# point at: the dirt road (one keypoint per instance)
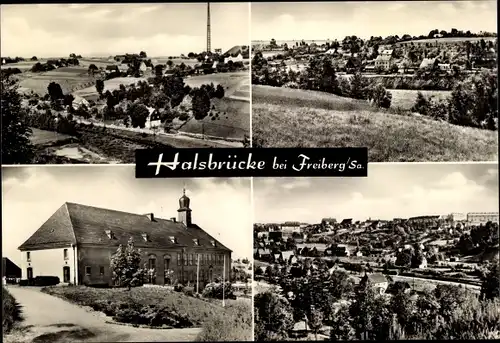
(51, 319)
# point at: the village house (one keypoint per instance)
(289, 228)
(378, 281)
(77, 242)
(10, 271)
(428, 63)
(383, 62)
(346, 223)
(112, 69)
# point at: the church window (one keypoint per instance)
(178, 259)
(65, 253)
(88, 270)
(190, 259)
(28, 256)
(101, 270)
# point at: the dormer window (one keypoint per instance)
(145, 236)
(212, 242)
(109, 233)
(196, 241)
(173, 239)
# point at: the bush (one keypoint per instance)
(11, 311)
(189, 291)
(233, 325)
(46, 280)
(217, 291)
(381, 97)
(178, 287)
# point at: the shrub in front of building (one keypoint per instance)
(11, 311)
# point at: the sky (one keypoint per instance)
(390, 191)
(335, 20)
(49, 30)
(222, 207)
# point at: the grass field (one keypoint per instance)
(233, 121)
(196, 310)
(90, 93)
(296, 118)
(70, 78)
(405, 99)
(45, 138)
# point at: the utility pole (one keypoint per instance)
(223, 280)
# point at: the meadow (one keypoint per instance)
(284, 117)
(90, 93)
(405, 99)
(70, 79)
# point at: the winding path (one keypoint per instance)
(46, 314)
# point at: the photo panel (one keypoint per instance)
(414, 81)
(410, 252)
(117, 258)
(90, 83)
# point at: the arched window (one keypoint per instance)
(168, 273)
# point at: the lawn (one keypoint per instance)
(70, 79)
(90, 93)
(232, 122)
(296, 118)
(405, 99)
(188, 311)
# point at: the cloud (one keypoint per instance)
(396, 6)
(296, 183)
(105, 29)
(406, 192)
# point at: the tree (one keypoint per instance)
(138, 115)
(55, 91)
(381, 97)
(342, 329)
(315, 318)
(126, 266)
(358, 86)
(273, 317)
(16, 145)
(200, 103)
(99, 86)
(159, 70)
(219, 92)
(143, 54)
(491, 283)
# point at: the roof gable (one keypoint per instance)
(75, 223)
(56, 231)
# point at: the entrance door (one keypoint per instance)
(66, 274)
(30, 273)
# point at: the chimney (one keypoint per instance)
(151, 216)
(173, 219)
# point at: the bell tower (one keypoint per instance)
(184, 212)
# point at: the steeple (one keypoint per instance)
(184, 212)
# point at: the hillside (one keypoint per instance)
(237, 49)
(285, 117)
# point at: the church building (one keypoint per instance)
(76, 244)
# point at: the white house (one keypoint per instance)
(60, 262)
(79, 101)
(238, 58)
